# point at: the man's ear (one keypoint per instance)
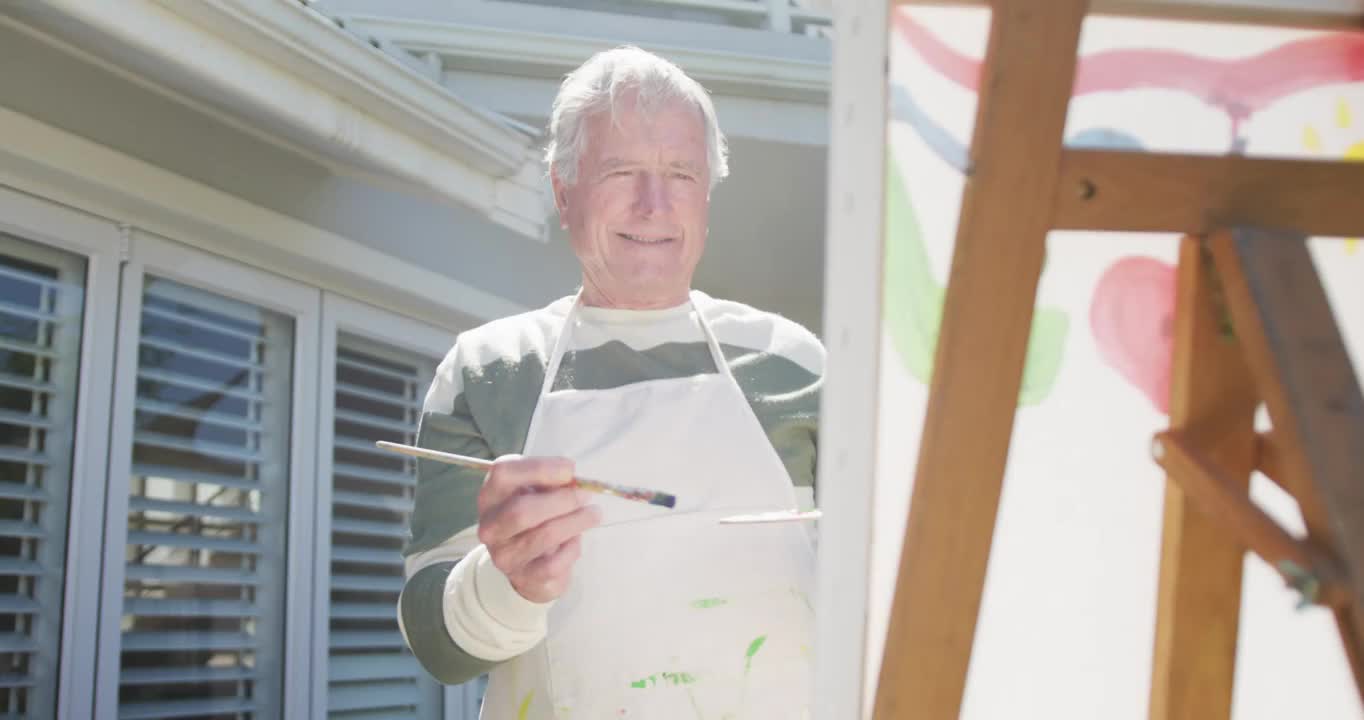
(560, 194)
(560, 190)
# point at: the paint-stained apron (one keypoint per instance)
(669, 614)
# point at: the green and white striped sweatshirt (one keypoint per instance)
(459, 614)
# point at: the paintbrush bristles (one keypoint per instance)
(664, 500)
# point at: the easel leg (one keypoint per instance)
(982, 343)
(1349, 623)
(1213, 402)
(1300, 363)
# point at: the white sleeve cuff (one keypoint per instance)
(485, 615)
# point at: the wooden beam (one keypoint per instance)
(1268, 461)
(1026, 86)
(1223, 499)
(1152, 192)
(1294, 348)
(1317, 14)
(1198, 606)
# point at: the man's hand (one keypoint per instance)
(531, 519)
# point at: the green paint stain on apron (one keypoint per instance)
(707, 603)
(678, 679)
(524, 712)
(753, 649)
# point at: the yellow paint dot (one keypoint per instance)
(1343, 118)
(1310, 139)
(522, 713)
(1355, 153)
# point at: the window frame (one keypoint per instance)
(344, 315)
(97, 241)
(150, 254)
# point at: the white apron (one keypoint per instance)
(669, 614)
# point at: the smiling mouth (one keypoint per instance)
(645, 240)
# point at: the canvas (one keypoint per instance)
(1068, 613)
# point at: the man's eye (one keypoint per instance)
(684, 176)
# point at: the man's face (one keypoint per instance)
(636, 216)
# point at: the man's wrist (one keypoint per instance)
(503, 601)
(485, 615)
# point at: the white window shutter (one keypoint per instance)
(41, 307)
(203, 608)
(371, 674)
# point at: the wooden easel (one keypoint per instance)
(1257, 329)
(1253, 324)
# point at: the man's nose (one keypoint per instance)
(651, 194)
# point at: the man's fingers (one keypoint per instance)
(524, 512)
(513, 475)
(518, 552)
(548, 576)
(557, 562)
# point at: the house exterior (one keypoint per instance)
(236, 236)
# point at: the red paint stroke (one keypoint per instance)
(1241, 87)
(1132, 318)
(955, 66)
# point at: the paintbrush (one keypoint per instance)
(650, 497)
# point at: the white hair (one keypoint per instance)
(598, 84)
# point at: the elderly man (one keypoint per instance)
(593, 606)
